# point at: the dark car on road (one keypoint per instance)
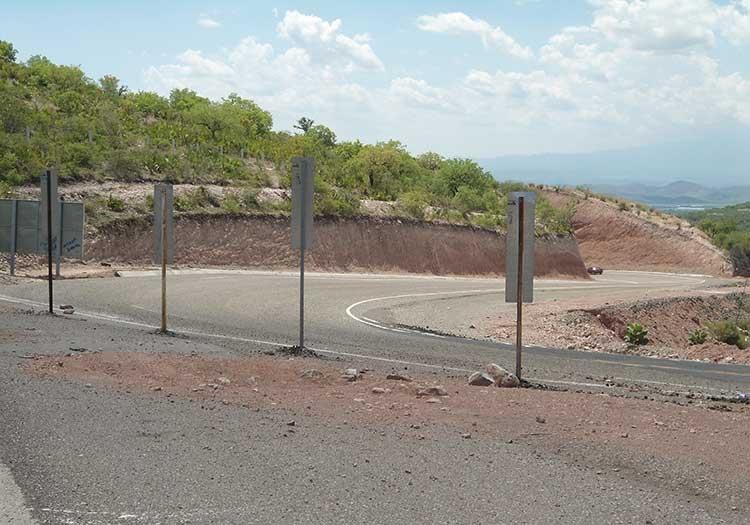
(595, 270)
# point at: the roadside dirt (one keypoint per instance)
(624, 427)
(635, 239)
(669, 318)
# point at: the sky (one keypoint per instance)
(471, 78)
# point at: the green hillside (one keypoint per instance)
(54, 116)
(729, 228)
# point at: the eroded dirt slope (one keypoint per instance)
(634, 239)
(359, 244)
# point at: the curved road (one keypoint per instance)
(352, 316)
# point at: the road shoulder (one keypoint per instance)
(13, 509)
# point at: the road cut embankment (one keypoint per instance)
(634, 239)
(354, 244)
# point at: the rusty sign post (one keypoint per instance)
(163, 240)
(302, 222)
(519, 261)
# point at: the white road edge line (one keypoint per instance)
(121, 320)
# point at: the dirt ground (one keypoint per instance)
(667, 431)
(669, 317)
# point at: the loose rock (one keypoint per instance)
(399, 377)
(432, 391)
(351, 374)
(378, 390)
(311, 373)
(481, 379)
(502, 377)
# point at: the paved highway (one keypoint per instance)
(352, 316)
(91, 455)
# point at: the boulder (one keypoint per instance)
(502, 377)
(481, 379)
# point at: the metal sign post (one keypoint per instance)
(519, 260)
(302, 222)
(163, 261)
(50, 211)
(163, 240)
(13, 236)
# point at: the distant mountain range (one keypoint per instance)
(676, 194)
(713, 169)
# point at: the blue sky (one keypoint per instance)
(467, 78)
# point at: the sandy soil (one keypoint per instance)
(658, 430)
(633, 239)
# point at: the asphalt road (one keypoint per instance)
(352, 315)
(75, 454)
(71, 454)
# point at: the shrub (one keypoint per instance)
(337, 202)
(487, 221)
(412, 204)
(731, 332)
(115, 204)
(196, 199)
(698, 337)
(6, 190)
(249, 198)
(636, 334)
(231, 204)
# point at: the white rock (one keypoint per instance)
(502, 377)
(432, 391)
(481, 379)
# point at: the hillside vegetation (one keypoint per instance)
(728, 227)
(54, 116)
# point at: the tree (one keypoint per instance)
(220, 121)
(111, 86)
(304, 124)
(255, 121)
(430, 160)
(185, 99)
(8, 53)
(456, 173)
(323, 135)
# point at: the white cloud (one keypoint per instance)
(459, 23)
(208, 23)
(671, 26)
(635, 72)
(734, 21)
(324, 38)
(289, 83)
(412, 92)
